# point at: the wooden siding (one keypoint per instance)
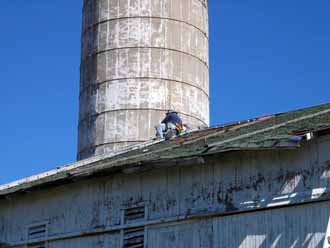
(205, 205)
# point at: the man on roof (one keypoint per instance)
(170, 126)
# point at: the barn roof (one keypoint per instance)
(278, 131)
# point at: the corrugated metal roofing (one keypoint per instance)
(279, 131)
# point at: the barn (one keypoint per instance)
(263, 182)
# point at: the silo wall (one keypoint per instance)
(139, 59)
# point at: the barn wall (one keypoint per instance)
(198, 196)
(103, 240)
(296, 226)
(299, 226)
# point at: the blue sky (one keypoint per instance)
(266, 57)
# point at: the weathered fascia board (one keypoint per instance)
(278, 201)
(64, 172)
(78, 173)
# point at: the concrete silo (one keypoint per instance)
(139, 59)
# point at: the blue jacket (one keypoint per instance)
(173, 118)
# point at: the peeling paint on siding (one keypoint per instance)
(260, 196)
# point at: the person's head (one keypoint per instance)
(171, 112)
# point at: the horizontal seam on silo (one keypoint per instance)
(94, 25)
(140, 78)
(135, 109)
(96, 53)
(110, 143)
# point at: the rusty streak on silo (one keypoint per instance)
(139, 59)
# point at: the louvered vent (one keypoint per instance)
(134, 238)
(134, 214)
(37, 231)
(39, 245)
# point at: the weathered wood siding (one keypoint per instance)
(298, 226)
(230, 201)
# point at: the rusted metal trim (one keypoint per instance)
(135, 109)
(96, 24)
(143, 78)
(181, 219)
(96, 53)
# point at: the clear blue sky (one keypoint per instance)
(266, 57)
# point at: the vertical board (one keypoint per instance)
(299, 226)
(189, 235)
